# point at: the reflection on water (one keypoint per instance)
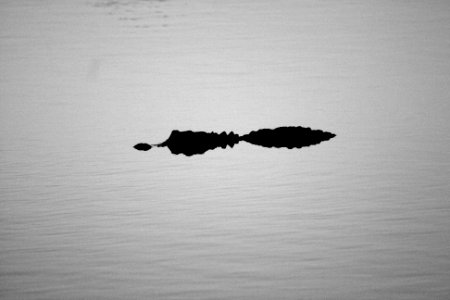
(85, 216)
(138, 13)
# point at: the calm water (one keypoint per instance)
(85, 216)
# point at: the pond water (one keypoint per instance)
(83, 215)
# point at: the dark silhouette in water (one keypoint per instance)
(287, 137)
(142, 147)
(190, 143)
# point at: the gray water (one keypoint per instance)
(363, 216)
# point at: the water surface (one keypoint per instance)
(85, 216)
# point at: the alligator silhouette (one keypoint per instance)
(198, 142)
